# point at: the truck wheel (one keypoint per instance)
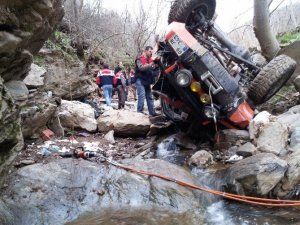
(170, 112)
(271, 78)
(183, 11)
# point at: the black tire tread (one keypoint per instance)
(278, 70)
(180, 9)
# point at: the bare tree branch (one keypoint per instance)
(276, 8)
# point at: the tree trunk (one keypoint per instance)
(262, 29)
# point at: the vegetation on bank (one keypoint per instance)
(289, 37)
(60, 42)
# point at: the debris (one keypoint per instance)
(67, 154)
(234, 158)
(84, 134)
(45, 152)
(47, 134)
(91, 146)
(138, 145)
(73, 140)
(54, 148)
(80, 153)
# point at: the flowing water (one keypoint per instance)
(217, 211)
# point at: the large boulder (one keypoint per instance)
(35, 77)
(273, 138)
(77, 115)
(291, 118)
(256, 175)
(35, 119)
(289, 187)
(124, 123)
(258, 123)
(62, 190)
(68, 81)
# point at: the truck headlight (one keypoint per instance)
(184, 78)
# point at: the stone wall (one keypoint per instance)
(24, 27)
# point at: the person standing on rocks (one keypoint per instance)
(121, 88)
(105, 77)
(119, 67)
(131, 83)
(145, 76)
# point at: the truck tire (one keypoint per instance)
(182, 10)
(169, 112)
(271, 78)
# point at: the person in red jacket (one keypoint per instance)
(145, 75)
(105, 82)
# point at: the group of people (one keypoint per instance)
(138, 80)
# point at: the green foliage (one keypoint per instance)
(62, 42)
(39, 60)
(62, 39)
(289, 37)
(284, 91)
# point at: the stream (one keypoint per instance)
(217, 211)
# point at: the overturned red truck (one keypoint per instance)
(206, 78)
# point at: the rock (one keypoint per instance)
(42, 188)
(110, 137)
(201, 159)
(291, 118)
(24, 31)
(230, 137)
(258, 123)
(294, 110)
(74, 115)
(246, 150)
(256, 175)
(28, 27)
(296, 83)
(18, 90)
(36, 118)
(55, 125)
(27, 162)
(184, 141)
(11, 138)
(273, 138)
(35, 77)
(287, 187)
(124, 123)
(295, 137)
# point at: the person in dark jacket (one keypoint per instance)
(119, 67)
(106, 83)
(121, 88)
(145, 71)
